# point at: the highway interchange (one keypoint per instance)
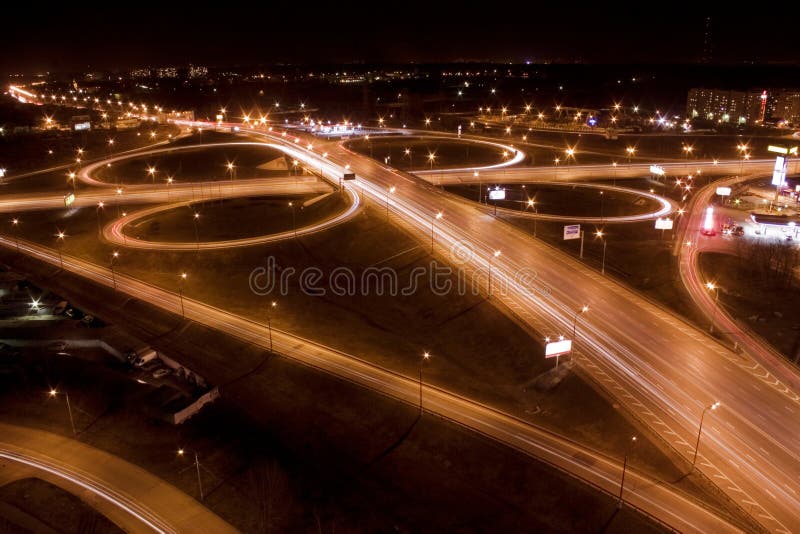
(661, 369)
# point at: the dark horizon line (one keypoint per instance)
(427, 63)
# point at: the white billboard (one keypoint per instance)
(724, 191)
(558, 348)
(663, 224)
(497, 194)
(657, 170)
(779, 171)
(572, 231)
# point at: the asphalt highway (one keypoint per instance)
(661, 369)
(573, 173)
(652, 496)
(134, 499)
(690, 243)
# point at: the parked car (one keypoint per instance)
(708, 232)
(144, 355)
(161, 373)
(739, 230)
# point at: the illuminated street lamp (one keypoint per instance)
(408, 153)
(294, 220)
(495, 254)
(624, 468)
(711, 407)
(389, 191)
(114, 256)
(570, 152)
(532, 204)
(600, 234)
(59, 244)
(584, 309)
(435, 218)
(53, 392)
(15, 227)
(630, 152)
(231, 169)
(711, 286)
(152, 172)
(271, 307)
(431, 158)
(181, 280)
(425, 357)
(181, 452)
(742, 148)
(100, 206)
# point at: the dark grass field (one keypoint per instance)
(447, 152)
(564, 200)
(235, 218)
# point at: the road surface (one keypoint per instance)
(133, 498)
(662, 369)
(651, 496)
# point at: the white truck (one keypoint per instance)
(142, 356)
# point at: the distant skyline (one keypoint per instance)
(118, 36)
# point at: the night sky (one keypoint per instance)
(123, 35)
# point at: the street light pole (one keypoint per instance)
(624, 469)
(715, 288)
(425, 357)
(433, 224)
(69, 410)
(532, 204)
(599, 234)
(269, 323)
(603, 265)
(100, 205)
(53, 393)
(294, 221)
(196, 234)
(583, 309)
(60, 243)
(181, 452)
(700, 429)
(15, 226)
(388, 191)
(199, 480)
(114, 255)
(180, 293)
